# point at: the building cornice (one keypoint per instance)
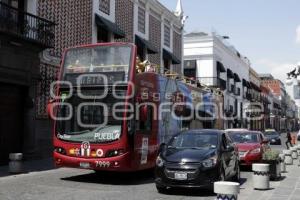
(217, 43)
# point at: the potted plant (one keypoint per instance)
(272, 158)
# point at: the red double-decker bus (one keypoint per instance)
(108, 116)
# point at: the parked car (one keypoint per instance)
(251, 145)
(196, 158)
(273, 136)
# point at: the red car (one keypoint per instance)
(251, 145)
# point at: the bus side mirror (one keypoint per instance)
(49, 108)
(143, 113)
(131, 127)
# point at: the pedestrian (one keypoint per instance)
(298, 136)
(288, 140)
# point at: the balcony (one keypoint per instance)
(15, 22)
(248, 96)
(212, 82)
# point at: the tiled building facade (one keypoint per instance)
(73, 22)
(155, 37)
(124, 18)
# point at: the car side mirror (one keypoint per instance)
(265, 141)
(162, 147)
(50, 106)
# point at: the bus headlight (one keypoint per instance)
(115, 152)
(159, 161)
(60, 150)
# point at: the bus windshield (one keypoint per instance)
(98, 59)
(89, 120)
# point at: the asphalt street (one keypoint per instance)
(73, 184)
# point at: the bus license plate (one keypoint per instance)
(84, 165)
(180, 176)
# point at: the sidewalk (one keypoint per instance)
(286, 189)
(30, 166)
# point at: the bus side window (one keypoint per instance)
(146, 125)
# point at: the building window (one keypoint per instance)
(167, 65)
(190, 68)
(167, 36)
(141, 20)
(19, 4)
(102, 35)
(104, 6)
(141, 53)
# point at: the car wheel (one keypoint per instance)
(161, 189)
(237, 176)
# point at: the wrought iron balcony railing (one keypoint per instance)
(26, 26)
(213, 82)
(248, 96)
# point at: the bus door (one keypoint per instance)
(145, 139)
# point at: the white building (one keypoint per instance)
(211, 61)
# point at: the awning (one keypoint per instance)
(229, 73)
(220, 67)
(248, 84)
(171, 56)
(236, 78)
(145, 43)
(110, 26)
(244, 83)
(254, 86)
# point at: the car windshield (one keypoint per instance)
(194, 140)
(271, 134)
(244, 137)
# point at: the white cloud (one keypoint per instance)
(298, 34)
(278, 70)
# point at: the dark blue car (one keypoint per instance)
(196, 158)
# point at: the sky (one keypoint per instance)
(265, 31)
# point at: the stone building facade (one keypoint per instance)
(23, 35)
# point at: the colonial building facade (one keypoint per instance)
(23, 35)
(212, 62)
(284, 112)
